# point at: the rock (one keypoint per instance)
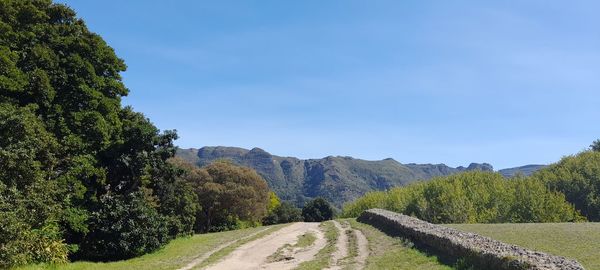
(483, 252)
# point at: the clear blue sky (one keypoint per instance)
(504, 82)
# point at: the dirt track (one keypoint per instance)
(255, 254)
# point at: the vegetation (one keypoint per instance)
(304, 240)
(578, 177)
(472, 197)
(595, 146)
(580, 241)
(285, 212)
(229, 196)
(178, 253)
(81, 176)
(336, 179)
(323, 258)
(317, 210)
(388, 252)
(74, 163)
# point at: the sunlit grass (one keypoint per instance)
(580, 241)
(388, 252)
(176, 254)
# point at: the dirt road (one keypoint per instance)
(281, 249)
(253, 255)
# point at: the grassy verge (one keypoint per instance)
(176, 254)
(323, 257)
(394, 253)
(580, 241)
(215, 257)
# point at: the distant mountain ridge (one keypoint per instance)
(338, 179)
(524, 170)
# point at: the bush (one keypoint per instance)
(578, 178)
(283, 213)
(125, 227)
(471, 197)
(317, 210)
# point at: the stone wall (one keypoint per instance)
(482, 252)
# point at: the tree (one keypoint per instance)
(227, 194)
(595, 146)
(285, 212)
(76, 144)
(317, 210)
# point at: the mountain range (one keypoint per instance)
(339, 179)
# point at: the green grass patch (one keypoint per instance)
(323, 257)
(388, 252)
(348, 261)
(304, 240)
(580, 241)
(176, 254)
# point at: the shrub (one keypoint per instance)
(578, 178)
(285, 212)
(317, 210)
(472, 197)
(124, 227)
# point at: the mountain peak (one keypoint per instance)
(337, 178)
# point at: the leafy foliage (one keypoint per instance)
(70, 154)
(578, 177)
(29, 203)
(126, 226)
(472, 197)
(229, 196)
(284, 213)
(317, 210)
(595, 146)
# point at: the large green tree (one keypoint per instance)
(227, 194)
(69, 149)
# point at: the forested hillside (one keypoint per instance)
(338, 179)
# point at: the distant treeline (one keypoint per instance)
(567, 191)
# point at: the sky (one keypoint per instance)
(504, 82)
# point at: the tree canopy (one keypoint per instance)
(317, 210)
(72, 158)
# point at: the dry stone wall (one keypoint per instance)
(482, 252)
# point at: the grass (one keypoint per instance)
(323, 257)
(304, 240)
(352, 246)
(349, 261)
(176, 254)
(388, 252)
(580, 241)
